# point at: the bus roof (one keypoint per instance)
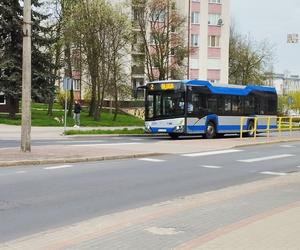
(225, 89)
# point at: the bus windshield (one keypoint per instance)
(164, 105)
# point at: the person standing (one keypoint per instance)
(76, 117)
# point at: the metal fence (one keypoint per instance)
(283, 123)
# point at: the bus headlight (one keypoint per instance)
(179, 129)
(147, 128)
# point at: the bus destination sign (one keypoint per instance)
(163, 86)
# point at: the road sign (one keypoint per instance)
(67, 83)
(292, 38)
(290, 100)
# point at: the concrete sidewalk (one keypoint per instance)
(259, 215)
(9, 132)
(97, 152)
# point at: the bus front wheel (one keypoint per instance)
(174, 136)
(210, 132)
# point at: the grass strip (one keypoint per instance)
(125, 131)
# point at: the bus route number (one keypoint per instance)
(167, 86)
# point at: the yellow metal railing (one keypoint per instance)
(284, 123)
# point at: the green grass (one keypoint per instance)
(40, 118)
(101, 132)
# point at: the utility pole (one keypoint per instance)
(26, 79)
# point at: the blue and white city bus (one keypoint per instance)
(198, 107)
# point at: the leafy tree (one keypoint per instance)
(11, 53)
(248, 59)
(161, 24)
(103, 33)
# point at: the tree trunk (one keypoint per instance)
(13, 107)
(116, 103)
(50, 105)
(68, 73)
(93, 105)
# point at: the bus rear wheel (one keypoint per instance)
(210, 132)
(250, 128)
(174, 136)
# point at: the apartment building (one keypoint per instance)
(209, 30)
(283, 83)
(207, 36)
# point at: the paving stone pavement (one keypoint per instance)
(259, 215)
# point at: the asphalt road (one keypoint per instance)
(33, 199)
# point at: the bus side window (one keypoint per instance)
(249, 105)
(227, 104)
(220, 104)
(212, 103)
(237, 104)
(272, 105)
(234, 104)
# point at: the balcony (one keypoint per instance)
(137, 70)
(138, 49)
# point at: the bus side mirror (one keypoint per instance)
(139, 93)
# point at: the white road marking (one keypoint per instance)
(69, 141)
(213, 167)
(272, 157)
(163, 231)
(7, 148)
(136, 139)
(21, 172)
(273, 173)
(58, 167)
(287, 146)
(151, 160)
(106, 144)
(298, 167)
(213, 153)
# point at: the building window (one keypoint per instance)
(214, 1)
(158, 16)
(195, 40)
(214, 41)
(76, 85)
(214, 19)
(151, 39)
(195, 17)
(2, 99)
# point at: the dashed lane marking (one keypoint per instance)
(287, 146)
(212, 167)
(151, 160)
(272, 157)
(58, 167)
(21, 172)
(213, 153)
(273, 173)
(106, 144)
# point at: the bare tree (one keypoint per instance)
(161, 28)
(248, 60)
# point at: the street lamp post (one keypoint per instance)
(26, 79)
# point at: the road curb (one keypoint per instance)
(119, 157)
(267, 142)
(75, 160)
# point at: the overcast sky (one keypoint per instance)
(271, 20)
